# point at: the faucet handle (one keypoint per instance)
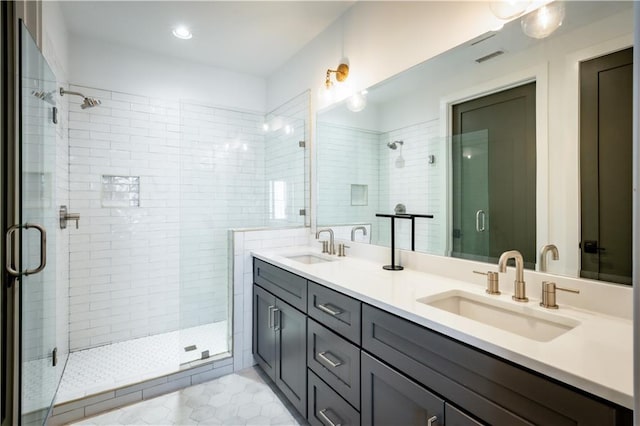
(341, 250)
(549, 294)
(493, 283)
(325, 246)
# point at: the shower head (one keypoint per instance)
(394, 145)
(87, 102)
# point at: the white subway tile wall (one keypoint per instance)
(419, 185)
(355, 159)
(286, 161)
(222, 169)
(138, 271)
(244, 242)
(361, 157)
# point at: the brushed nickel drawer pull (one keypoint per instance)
(326, 359)
(327, 420)
(327, 309)
(270, 308)
(432, 420)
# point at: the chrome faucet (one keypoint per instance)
(357, 228)
(519, 290)
(332, 247)
(543, 255)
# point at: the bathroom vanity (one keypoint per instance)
(349, 343)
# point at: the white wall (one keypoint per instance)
(96, 63)
(380, 39)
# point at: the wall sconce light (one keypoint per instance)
(341, 75)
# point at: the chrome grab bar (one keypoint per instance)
(10, 254)
(480, 213)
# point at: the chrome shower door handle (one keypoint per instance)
(43, 248)
(480, 214)
(9, 253)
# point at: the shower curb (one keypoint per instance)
(92, 405)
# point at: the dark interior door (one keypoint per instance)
(606, 123)
(508, 119)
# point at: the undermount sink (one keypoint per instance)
(521, 320)
(309, 259)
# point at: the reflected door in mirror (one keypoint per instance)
(606, 119)
(494, 182)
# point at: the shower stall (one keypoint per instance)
(137, 196)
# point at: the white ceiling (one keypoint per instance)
(254, 37)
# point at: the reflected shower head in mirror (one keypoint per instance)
(394, 145)
(87, 102)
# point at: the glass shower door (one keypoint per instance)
(471, 225)
(37, 278)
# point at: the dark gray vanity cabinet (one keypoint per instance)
(389, 398)
(326, 406)
(350, 363)
(280, 332)
(493, 390)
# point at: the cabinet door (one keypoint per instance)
(264, 336)
(389, 398)
(291, 354)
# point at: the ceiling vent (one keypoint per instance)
(489, 56)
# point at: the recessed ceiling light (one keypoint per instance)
(182, 33)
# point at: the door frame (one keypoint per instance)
(592, 52)
(10, 214)
(539, 75)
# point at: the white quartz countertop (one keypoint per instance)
(595, 356)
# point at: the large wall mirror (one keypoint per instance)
(510, 142)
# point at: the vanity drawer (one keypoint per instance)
(287, 286)
(326, 406)
(455, 417)
(335, 360)
(335, 310)
(494, 390)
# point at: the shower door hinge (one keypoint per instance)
(54, 357)
(303, 212)
(301, 144)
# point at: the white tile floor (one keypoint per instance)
(242, 398)
(111, 366)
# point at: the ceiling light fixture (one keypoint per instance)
(543, 22)
(182, 32)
